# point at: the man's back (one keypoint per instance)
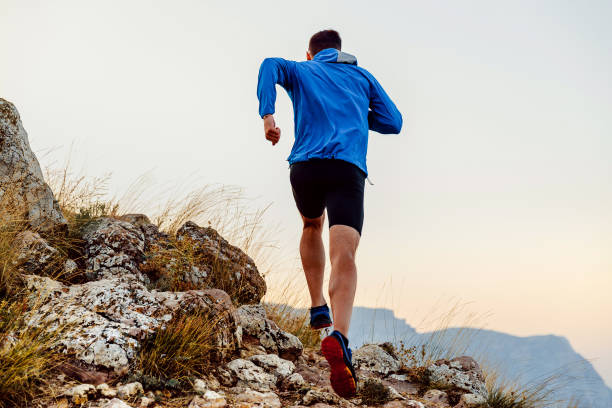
(335, 103)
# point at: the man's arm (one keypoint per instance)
(383, 117)
(271, 72)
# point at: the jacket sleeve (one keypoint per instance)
(271, 72)
(383, 117)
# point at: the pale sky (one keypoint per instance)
(498, 191)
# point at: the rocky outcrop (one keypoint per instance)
(22, 186)
(103, 316)
(105, 320)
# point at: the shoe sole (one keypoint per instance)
(323, 326)
(341, 379)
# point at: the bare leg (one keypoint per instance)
(312, 253)
(343, 242)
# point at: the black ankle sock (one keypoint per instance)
(318, 308)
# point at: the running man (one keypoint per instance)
(335, 103)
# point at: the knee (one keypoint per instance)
(313, 225)
(342, 258)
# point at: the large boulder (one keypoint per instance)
(113, 248)
(21, 180)
(104, 321)
(221, 264)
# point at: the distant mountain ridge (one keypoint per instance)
(524, 360)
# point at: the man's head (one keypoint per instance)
(322, 40)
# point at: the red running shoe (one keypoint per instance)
(343, 378)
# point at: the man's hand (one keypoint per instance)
(270, 129)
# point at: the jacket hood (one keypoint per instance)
(333, 55)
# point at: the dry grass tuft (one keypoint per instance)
(185, 347)
(505, 393)
(26, 355)
(374, 392)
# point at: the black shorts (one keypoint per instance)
(329, 183)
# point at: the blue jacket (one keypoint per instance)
(335, 102)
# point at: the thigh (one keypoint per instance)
(307, 188)
(344, 200)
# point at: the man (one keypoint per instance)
(335, 103)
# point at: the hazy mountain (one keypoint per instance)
(523, 360)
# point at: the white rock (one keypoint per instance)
(129, 390)
(250, 375)
(314, 396)
(414, 404)
(106, 391)
(253, 322)
(200, 386)
(251, 398)
(108, 318)
(294, 382)
(116, 403)
(471, 401)
(460, 372)
(437, 396)
(80, 392)
(394, 394)
(273, 364)
(372, 357)
(399, 377)
(209, 399)
(81, 389)
(146, 401)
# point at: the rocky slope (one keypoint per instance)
(131, 281)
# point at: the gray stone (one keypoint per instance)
(460, 372)
(113, 249)
(200, 386)
(294, 382)
(236, 269)
(210, 399)
(372, 357)
(437, 396)
(471, 401)
(106, 391)
(22, 184)
(274, 365)
(33, 254)
(79, 393)
(251, 398)
(249, 375)
(314, 396)
(115, 403)
(254, 323)
(130, 390)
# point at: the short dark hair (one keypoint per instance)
(324, 39)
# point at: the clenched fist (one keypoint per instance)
(272, 132)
